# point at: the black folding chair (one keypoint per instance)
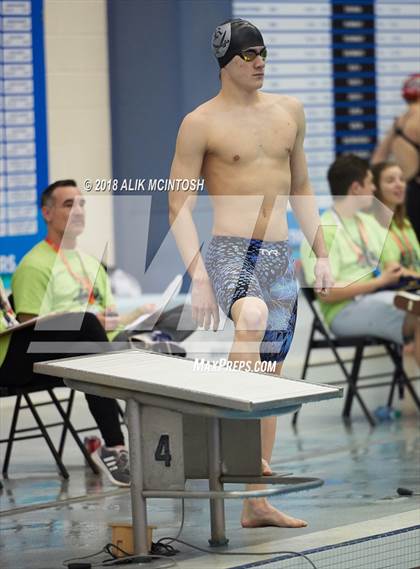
(321, 338)
(23, 394)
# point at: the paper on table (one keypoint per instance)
(147, 321)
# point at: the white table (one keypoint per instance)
(184, 423)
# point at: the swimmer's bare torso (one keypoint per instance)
(246, 165)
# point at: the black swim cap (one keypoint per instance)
(232, 37)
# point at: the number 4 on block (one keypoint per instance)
(162, 452)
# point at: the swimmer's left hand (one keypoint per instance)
(324, 280)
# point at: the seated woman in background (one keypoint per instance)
(391, 191)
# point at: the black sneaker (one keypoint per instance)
(114, 463)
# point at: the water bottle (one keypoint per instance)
(386, 413)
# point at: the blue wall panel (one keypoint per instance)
(161, 67)
(23, 141)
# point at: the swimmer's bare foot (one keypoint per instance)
(259, 513)
(266, 470)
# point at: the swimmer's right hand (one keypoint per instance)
(203, 303)
(324, 280)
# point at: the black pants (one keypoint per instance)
(17, 368)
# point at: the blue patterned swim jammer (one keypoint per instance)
(240, 267)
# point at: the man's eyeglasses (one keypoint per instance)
(251, 54)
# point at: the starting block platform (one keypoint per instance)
(184, 424)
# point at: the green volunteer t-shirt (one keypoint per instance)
(7, 318)
(46, 281)
(4, 345)
(343, 258)
(404, 246)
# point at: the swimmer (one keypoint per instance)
(248, 146)
(402, 141)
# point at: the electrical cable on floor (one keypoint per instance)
(165, 550)
(114, 561)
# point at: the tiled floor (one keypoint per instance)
(45, 520)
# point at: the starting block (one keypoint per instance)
(185, 424)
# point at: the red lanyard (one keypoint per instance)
(408, 249)
(84, 281)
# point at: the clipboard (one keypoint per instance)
(28, 323)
